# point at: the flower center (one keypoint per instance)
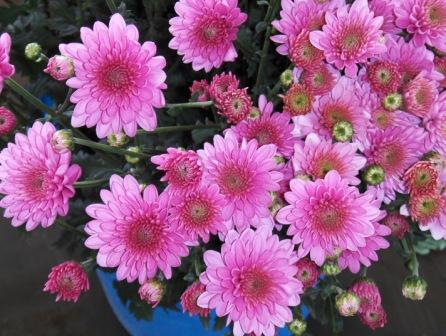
(197, 211)
(324, 164)
(264, 134)
(425, 207)
(390, 157)
(36, 184)
(333, 113)
(255, 284)
(382, 118)
(350, 41)
(66, 282)
(212, 30)
(234, 180)
(298, 100)
(436, 14)
(116, 77)
(328, 217)
(145, 233)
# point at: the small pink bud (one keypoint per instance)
(152, 292)
(60, 67)
(7, 121)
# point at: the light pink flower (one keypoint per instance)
(316, 157)
(118, 81)
(327, 215)
(245, 175)
(440, 66)
(68, 280)
(307, 273)
(320, 78)
(235, 105)
(425, 20)
(398, 224)
(435, 125)
(385, 8)
(151, 292)
(132, 232)
(383, 119)
(8, 121)
(36, 179)
(222, 83)
(270, 128)
(252, 281)
(420, 95)
(394, 149)
(201, 89)
(6, 69)
(367, 291)
(205, 30)
(60, 67)
(351, 36)
(189, 300)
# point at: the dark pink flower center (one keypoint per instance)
(325, 163)
(197, 211)
(212, 30)
(335, 112)
(436, 14)
(350, 41)
(235, 180)
(183, 171)
(145, 234)
(254, 283)
(36, 183)
(382, 118)
(328, 216)
(116, 77)
(390, 156)
(265, 133)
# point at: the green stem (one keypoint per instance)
(108, 149)
(86, 263)
(182, 128)
(364, 271)
(191, 104)
(66, 102)
(413, 256)
(90, 183)
(112, 6)
(70, 228)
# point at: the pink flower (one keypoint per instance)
(197, 214)
(384, 77)
(367, 291)
(151, 292)
(36, 179)
(298, 100)
(394, 149)
(320, 79)
(385, 8)
(8, 121)
(373, 316)
(425, 20)
(383, 119)
(316, 157)
(351, 36)
(440, 66)
(118, 81)
(60, 67)
(189, 300)
(270, 128)
(68, 280)
(183, 169)
(420, 95)
(6, 69)
(252, 280)
(235, 105)
(205, 30)
(422, 178)
(398, 224)
(222, 83)
(307, 273)
(302, 53)
(245, 174)
(327, 215)
(435, 125)
(201, 89)
(132, 232)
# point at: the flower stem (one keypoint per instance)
(70, 228)
(413, 256)
(90, 183)
(191, 104)
(66, 102)
(108, 149)
(182, 128)
(112, 6)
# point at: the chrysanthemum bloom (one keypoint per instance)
(316, 157)
(132, 232)
(152, 292)
(422, 178)
(367, 291)
(327, 215)
(36, 179)
(68, 280)
(245, 174)
(60, 67)
(385, 8)
(6, 69)
(201, 90)
(307, 272)
(397, 223)
(205, 30)
(302, 53)
(435, 125)
(383, 119)
(288, 173)
(197, 213)
(425, 19)
(298, 100)
(118, 81)
(320, 79)
(8, 121)
(440, 66)
(235, 105)
(269, 128)
(373, 316)
(351, 36)
(189, 300)
(183, 169)
(252, 281)
(384, 76)
(224, 82)
(420, 95)
(394, 150)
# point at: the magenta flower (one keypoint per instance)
(132, 232)
(68, 280)
(398, 224)
(440, 66)
(118, 81)
(6, 69)
(245, 175)
(316, 157)
(373, 316)
(367, 291)
(36, 179)
(270, 128)
(435, 125)
(235, 105)
(383, 119)
(60, 67)
(205, 30)
(351, 36)
(252, 280)
(222, 83)
(201, 89)
(420, 95)
(385, 8)
(189, 300)
(327, 215)
(425, 19)
(151, 292)
(8, 121)
(307, 273)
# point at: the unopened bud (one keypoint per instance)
(414, 288)
(63, 140)
(33, 51)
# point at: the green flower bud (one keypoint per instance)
(132, 159)
(33, 51)
(117, 140)
(343, 131)
(347, 303)
(374, 175)
(298, 326)
(276, 204)
(279, 159)
(392, 101)
(254, 113)
(414, 288)
(330, 268)
(286, 78)
(63, 140)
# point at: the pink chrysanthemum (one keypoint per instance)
(60, 67)
(397, 223)
(373, 316)
(8, 121)
(425, 19)
(252, 281)
(151, 292)
(394, 149)
(235, 105)
(132, 232)
(205, 30)
(383, 119)
(440, 66)
(350, 37)
(435, 125)
(36, 179)
(327, 215)
(422, 178)
(189, 300)
(420, 95)
(367, 291)
(201, 90)
(298, 100)
(222, 83)
(6, 69)
(316, 157)
(384, 76)
(307, 273)
(270, 128)
(183, 169)
(197, 214)
(245, 175)
(385, 8)
(68, 280)
(118, 81)
(320, 79)
(288, 173)
(302, 53)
